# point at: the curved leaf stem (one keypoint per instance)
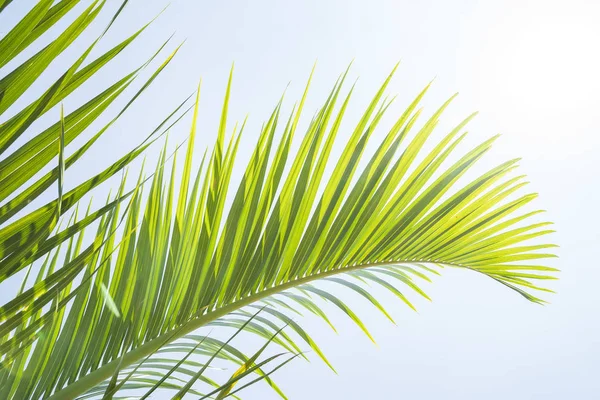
(105, 372)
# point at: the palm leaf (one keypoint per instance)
(27, 238)
(184, 262)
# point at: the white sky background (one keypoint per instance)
(531, 69)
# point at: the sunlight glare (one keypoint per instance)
(539, 70)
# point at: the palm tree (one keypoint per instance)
(124, 313)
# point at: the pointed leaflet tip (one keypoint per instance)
(178, 47)
(198, 94)
(223, 122)
(393, 70)
(162, 11)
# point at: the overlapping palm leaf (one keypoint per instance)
(27, 238)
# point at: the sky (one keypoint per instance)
(530, 67)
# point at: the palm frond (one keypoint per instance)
(186, 261)
(27, 238)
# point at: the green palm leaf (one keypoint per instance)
(26, 239)
(172, 264)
